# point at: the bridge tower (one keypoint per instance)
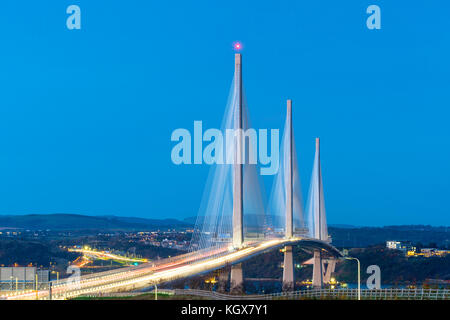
(238, 232)
(236, 276)
(288, 266)
(323, 267)
(317, 184)
(289, 174)
(318, 196)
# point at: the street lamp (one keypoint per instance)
(36, 281)
(359, 275)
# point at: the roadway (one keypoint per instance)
(148, 274)
(105, 255)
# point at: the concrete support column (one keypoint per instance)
(317, 280)
(238, 233)
(236, 279)
(331, 265)
(288, 270)
(223, 279)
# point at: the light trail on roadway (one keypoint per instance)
(147, 274)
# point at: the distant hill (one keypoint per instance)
(342, 226)
(360, 237)
(191, 220)
(81, 222)
(342, 235)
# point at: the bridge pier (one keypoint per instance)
(223, 280)
(331, 265)
(317, 280)
(288, 270)
(236, 279)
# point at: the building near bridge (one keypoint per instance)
(404, 246)
(433, 252)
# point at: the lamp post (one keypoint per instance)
(36, 281)
(359, 275)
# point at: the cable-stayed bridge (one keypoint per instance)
(232, 224)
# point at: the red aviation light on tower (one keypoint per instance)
(237, 46)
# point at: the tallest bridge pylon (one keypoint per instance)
(238, 208)
(232, 207)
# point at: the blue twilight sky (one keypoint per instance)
(86, 115)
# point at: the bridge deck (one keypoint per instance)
(133, 278)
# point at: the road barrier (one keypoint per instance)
(324, 294)
(331, 294)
